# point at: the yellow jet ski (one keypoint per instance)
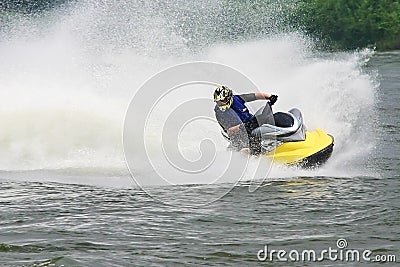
(283, 138)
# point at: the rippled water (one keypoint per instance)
(87, 226)
(57, 224)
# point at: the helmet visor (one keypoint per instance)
(224, 104)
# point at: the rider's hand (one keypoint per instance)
(272, 99)
(233, 129)
(245, 151)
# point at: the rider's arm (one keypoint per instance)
(262, 96)
(254, 96)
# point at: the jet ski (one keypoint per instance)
(283, 138)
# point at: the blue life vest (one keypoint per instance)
(238, 113)
(240, 109)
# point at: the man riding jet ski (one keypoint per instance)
(281, 136)
(235, 118)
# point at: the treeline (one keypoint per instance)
(349, 24)
(338, 24)
(28, 6)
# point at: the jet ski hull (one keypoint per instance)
(314, 151)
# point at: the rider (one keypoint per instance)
(235, 118)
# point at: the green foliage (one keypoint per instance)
(352, 23)
(342, 24)
(28, 6)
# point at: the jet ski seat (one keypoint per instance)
(284, 126)
(283, 120)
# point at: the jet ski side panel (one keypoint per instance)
(314, 150)
(318, 158)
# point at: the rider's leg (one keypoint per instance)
(264, 115)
